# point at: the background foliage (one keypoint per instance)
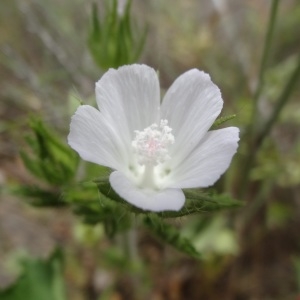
(237, 240)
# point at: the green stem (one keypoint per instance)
(128, 242)
(257, 203)
(264, 59)
(281, 102)
(255, 118)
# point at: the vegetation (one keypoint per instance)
(65, 234)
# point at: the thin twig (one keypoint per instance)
(251, 132)
(266, 129)
(264, 59)
(281, 102)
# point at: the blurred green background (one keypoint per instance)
(47, 68)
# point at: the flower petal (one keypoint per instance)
(93, 140)
(191, 105)
(208, 161)
(168, 199)
(129, 98)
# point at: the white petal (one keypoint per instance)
(168, 199)
(191, 105)
(129, 98)
(208, 161)
(93, 140)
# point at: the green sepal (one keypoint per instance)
(107, 191)
(170, 234)
(221, 120)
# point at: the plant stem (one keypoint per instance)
(257, 203)
(129, 244)
(281, 102)
(264, 59)
(251, 132)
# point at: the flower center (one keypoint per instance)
(152, 144)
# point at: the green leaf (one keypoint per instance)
(107, 191)
(140, 44)
(171, 235)
(200, 202)
(197, 201)
(40, 280)
(40, 197)
(96, 26)
(95, 208)
(31, 164)
(114, 42)
(222, 120)
(50, 159)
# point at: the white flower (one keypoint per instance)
(156, 149)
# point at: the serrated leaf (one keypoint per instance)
(41, 280)
(51, 146)
(171, 235)
(50, 159)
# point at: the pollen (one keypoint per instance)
(152, 144)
